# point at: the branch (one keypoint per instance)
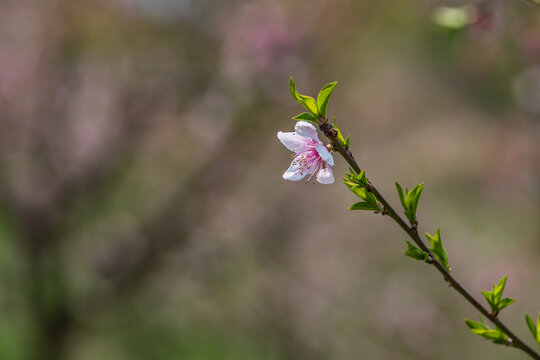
(331, 133)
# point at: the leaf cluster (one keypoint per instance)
(437, 249)
(496, 335)
(535, 330)
(317, 108)
(358, 185)
(409, 200)
(494, 297)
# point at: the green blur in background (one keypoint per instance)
(142, 210)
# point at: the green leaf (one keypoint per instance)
(360, 191)
(401, 196)
(415, 198)
(294, 93)
(414, 252)
(499, 288)
(323, 97)
(410, 215)
(437, 248)
(310, 104)
(535, 330)
(306, 101)
(496, 335)
(474, 325)
(339, 135)
(363, 194)
(347, 141)
(538, 330)
(306, 117)
(359, 179)
(489, 297)
(357, 184)
(409, 200)
(364, 206)
(530, 324)
(505, 302)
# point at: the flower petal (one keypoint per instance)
(325, 175)
(324, 154)
(291, 140)
(303, 128)
(294, 172)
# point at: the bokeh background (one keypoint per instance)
(142, 210)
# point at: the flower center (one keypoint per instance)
(308, 160)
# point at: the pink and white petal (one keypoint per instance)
(303, 128)
(325, 154)
(291, 140)
(294, 172)
(325, 175)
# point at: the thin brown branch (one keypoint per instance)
(516, 342)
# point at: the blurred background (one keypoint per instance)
(142, 210)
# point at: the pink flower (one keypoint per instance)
(310, 155)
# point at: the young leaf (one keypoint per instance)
(414, 198)
(437, 248)
(409, 200)
(292, 87)
(361, 178)
(339, 135)
(401, 195)
(474, 324)
(530, 324)
(489, 297)
(499, 288)
(480, 328)
(360, 191)
(364, 206)
(535, 330)
(355, 179)
(306, 117)
(323, 97)
(493, 297)
(505, 302)
(306, 101)
(357, 184)
(538, 330)
(414, 252)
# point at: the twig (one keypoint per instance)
(515, 341)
